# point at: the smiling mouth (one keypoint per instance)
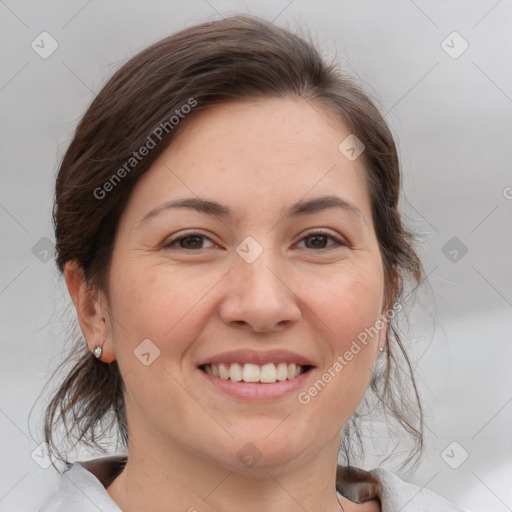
(255, 374)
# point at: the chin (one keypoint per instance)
(261, 450)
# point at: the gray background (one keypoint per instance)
(452, 118)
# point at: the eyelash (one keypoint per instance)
(172, 242)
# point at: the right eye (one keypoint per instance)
(192, 240)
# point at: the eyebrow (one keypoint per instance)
(220, 211)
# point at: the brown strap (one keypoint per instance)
(357, 485)
(106, 469)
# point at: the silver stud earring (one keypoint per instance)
(97, 352)
(381, 349)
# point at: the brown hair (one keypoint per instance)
(236, 58)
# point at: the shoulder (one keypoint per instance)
(393, 493)
(81, 490)
(398, 494)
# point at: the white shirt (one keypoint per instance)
(82, 490)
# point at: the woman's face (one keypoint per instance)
(251, 289)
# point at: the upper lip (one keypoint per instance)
(257, 357)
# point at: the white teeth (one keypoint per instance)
(282, 371)
(249, 372)
(224, 371)
(235, 373)
(268, 373)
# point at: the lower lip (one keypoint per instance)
(257, 392)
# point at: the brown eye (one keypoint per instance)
(319, 240)
(193, 241)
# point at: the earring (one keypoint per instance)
(381, 349)
(98, 351)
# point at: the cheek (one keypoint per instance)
(160, 302)
(350, 303)
(347, 311)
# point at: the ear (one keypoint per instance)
(92, 311)
(383, 333)
(387, 309)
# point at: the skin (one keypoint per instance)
(258, 158)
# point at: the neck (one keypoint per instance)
(155, 480)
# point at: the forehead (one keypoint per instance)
(255, 155)
(283, 130)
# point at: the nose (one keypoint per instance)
(258, 295)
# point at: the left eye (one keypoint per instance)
(319, 238)
(193, 241)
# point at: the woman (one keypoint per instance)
(227, 226)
